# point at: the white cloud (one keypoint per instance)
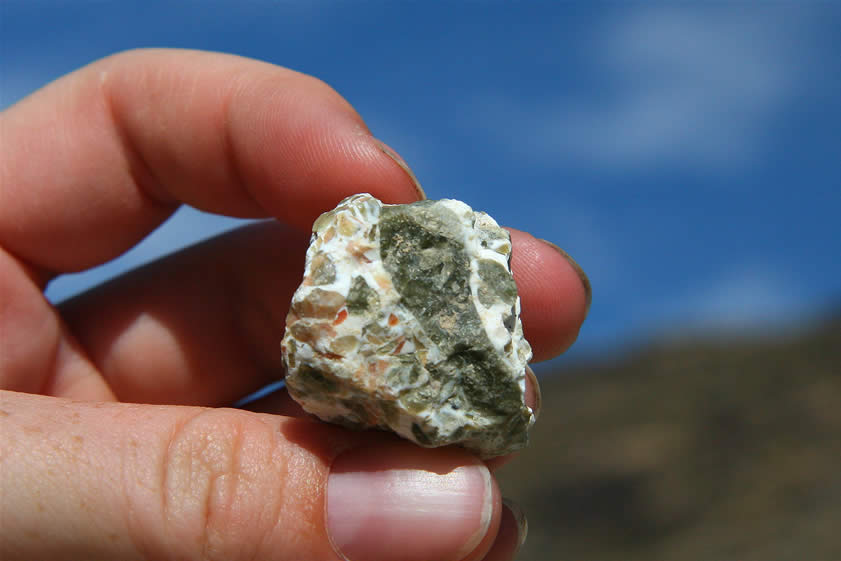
(751, 297)
(672, 86)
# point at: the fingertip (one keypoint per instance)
(332, 159)
(401, 163)
(585, 280)
(302, 148)
(431, 505)
(553, 295)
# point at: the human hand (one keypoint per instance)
(114, 442)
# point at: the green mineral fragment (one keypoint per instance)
(408, 320)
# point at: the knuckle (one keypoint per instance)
(220, 488)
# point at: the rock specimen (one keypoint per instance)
(408, 320)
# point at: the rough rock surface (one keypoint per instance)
(408, 320)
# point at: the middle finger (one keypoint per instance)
(203, 326)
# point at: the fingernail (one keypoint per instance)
(588, 289)
(437, 513)
(388, 151)
(535, 399)
(520, 519)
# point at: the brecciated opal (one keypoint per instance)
(408, 320)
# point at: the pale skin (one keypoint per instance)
(115, 442)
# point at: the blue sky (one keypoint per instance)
(687, 155)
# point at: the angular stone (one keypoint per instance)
(408, 320)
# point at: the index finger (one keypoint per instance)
(94, 161)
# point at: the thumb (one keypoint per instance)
(122, 481)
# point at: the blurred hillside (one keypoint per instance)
(689, 451)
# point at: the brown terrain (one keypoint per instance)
(696, 450)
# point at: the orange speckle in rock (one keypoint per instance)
(392, 320)
(358, 250)
(399, 347)
(340, 317)
(382, 281)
